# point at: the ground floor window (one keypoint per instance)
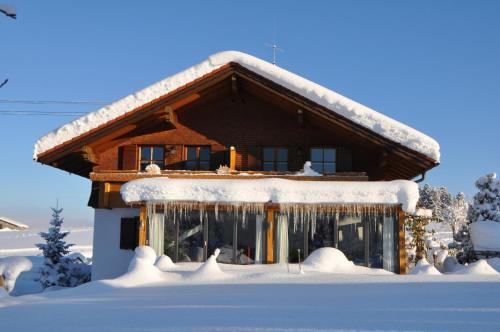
(365, 239)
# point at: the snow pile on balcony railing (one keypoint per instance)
(356, 112)
(280, 191)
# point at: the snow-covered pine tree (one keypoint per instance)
(55, 270)
(486, 204)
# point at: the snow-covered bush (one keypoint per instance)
(11, 268)
(417, 237)
(223, 170)
(58, 269)
(328, 260)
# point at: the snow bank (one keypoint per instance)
(11, 268)
(141, 270)
(494, 263)
(423, 267)
(165, 263)
(485, 235)
(357, 113)
(328, 260)
(479, 267)
(273, 190)
(209, 270)
(450, 264)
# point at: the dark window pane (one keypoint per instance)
(144, 164)
(158, 153)
(268, 167)
(204, 153)
(329, 155)
(204, 165)
(282, 155)
(329, 168)
(160, 164)
(282, 166)
(318, 167)
(268, 154)
(190, 164)
(351, 238)
(145, 153)
(316, 155)
(191, 153)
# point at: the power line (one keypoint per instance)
(51, 102)
(42, 113)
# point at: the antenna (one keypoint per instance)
(274, 45)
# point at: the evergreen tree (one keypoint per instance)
(487, 201)
(55, 269)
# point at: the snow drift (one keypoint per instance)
(479, 267)
(141, 270)
(165, 263)
(328, 260)
(273, 190)
(209, 270)
(355, 112)
(424, 267)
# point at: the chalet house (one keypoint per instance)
(7, 223)
(238, 154)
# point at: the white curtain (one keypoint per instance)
(388, 243)
(282, 239)
(156, 233)
(258, 238)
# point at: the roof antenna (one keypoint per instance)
(274, 45)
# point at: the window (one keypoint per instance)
(275, 159)
(152, 155)
(324, 160)
(197, 158)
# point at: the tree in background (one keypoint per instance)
(58, 269)
(486, 204)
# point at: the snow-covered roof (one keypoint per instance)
(359, 114)
(280, 191)
(13, 222)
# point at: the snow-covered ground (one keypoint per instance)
(266, 298)
(219, 297)
(22, 243)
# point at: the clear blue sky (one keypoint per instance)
(434, 65)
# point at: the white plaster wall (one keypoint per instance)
(109, 261)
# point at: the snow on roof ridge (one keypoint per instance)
(354, 111)
(275, 190)
(13, 222)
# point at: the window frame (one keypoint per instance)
(151, 159)
(323, 162)
(198, 162)
(275, 161)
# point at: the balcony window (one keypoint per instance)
(324, 160)
(197, 158)
(275, 159)
(152, 155)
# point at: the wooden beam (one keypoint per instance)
(104, 190)
(89, 155)
(402, 242)
(270, 236)
(143, 221)
(232, 158)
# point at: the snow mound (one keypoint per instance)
(308, 171)
(450, 264)
(423, 267)
(165, 263)
(479, 267)
(141, 270)
(485, 235)
(153, 169)
(336, 103)
(494, 263)
(279, 191)
(328, 260)
(11, 268)
(210, 270)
